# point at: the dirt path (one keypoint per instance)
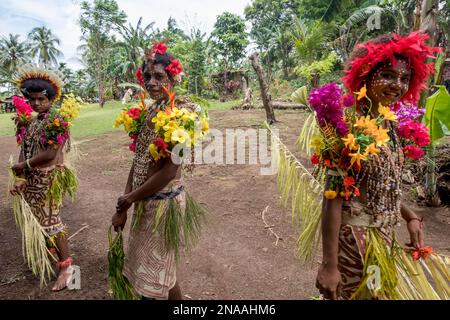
(236, 257)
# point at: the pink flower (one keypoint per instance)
(348, 100)
(415, 131)
(60, 139)
(326, 102)
(413, 152)
(21, 106)
(132, 146)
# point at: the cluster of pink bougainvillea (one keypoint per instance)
(326, 102)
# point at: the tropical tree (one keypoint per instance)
(271, 21)
(97, 20)
(314, 55)
(196, 62)
(43, 46)
(229, 40)
(13, 53)
(135, 41)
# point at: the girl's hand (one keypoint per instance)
(329, 282)
(124, 203)
(119, 220)
(19, 187)
(416, 234)
(18, 168)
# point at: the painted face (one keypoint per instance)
(39, 102)
(389, 83)
(155, 78)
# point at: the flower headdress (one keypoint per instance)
(174, 68)
(28, 72)
(368, 55)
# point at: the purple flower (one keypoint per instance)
(326, 103)
(406, 112)
(60, 139)
(348, 100)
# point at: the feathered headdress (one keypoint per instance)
(370, 54)
(28, 72)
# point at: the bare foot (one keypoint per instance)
(64, 278)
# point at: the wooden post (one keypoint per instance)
(267, 102)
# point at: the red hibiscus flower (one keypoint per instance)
(315, 159)
(160, 48)
(174, 67)
(140, 77)
(134, 113)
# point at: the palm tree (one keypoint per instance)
(13, 52)
(43, 46)
(135, 41)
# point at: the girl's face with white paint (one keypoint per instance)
(389, 83)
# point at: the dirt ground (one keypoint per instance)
(236, 258)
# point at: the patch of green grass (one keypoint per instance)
(92, 120)
(217, 105)
(7, 127)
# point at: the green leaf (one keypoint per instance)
(300, 95)
(437, 113)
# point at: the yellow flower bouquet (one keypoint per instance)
(175, 126)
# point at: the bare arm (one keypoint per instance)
(331, 224)
(129, 185)
(414, 226)
(328, 276)
(42, 158)
(155, 183)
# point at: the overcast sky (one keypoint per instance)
(19, 17)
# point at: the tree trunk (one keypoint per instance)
(270, 115)
(417, 15)
(101, 94)
(315, 80)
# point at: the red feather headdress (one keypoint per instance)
(370, 54)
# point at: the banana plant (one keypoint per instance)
(437, 118)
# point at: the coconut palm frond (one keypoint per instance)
(297, 184)
(414, 282)
(308, 130)
(378, 254)
(401, 277)
(34, 244)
